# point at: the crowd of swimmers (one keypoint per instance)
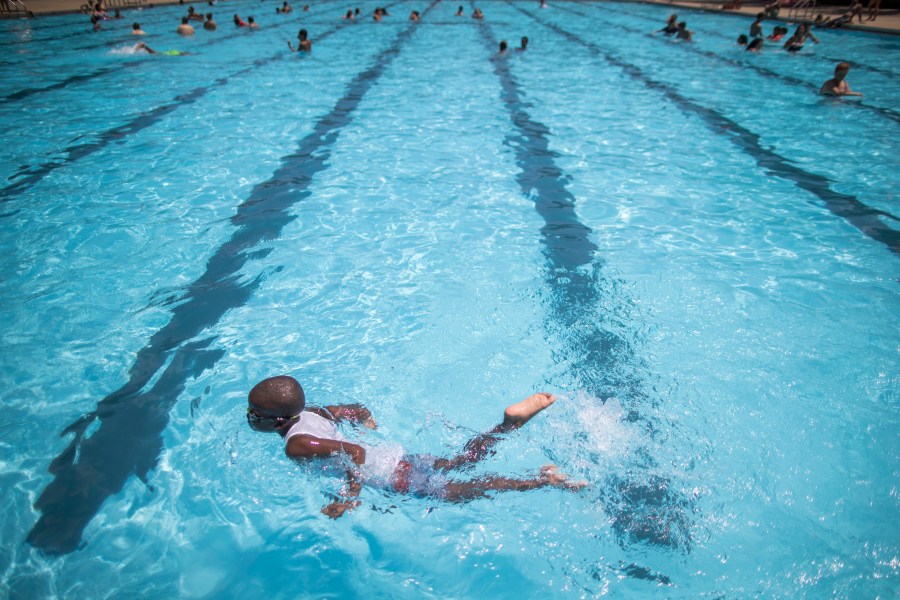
(836, 86)
(753, 42)
(98, 14)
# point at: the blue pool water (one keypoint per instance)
(694, 251)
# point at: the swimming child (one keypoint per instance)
(278, 404)
(142, 47)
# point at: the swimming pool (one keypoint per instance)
(684, 242)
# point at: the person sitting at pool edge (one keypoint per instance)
(837, 85)
(278, 404)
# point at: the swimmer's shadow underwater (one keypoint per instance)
(643, 506)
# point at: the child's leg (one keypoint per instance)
(514, 417)
(463, 491)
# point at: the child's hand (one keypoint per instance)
(336, 509)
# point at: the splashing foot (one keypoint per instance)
(520, 413)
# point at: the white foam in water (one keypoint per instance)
(594, 431)
(123, 51)
(604, 425)
(381, 461)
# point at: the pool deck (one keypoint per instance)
(888, 20)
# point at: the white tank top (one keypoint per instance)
(312, 424)
(381, 460)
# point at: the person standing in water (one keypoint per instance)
(837, 85)
(303, 43)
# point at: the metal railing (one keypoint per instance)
(804, 10)
(123, 3)
(110, 5)
(13, 9)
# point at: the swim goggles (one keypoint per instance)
(255, 417)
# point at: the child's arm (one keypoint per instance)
(354, 413)
(339, 507)
(308, 446)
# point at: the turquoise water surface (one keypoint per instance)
(684, 242)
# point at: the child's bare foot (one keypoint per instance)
(519, 413)
(551, 474)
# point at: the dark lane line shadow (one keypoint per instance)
(642, 508)
(96, 466)
(866, 219)
(26, 92)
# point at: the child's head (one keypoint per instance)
(841, 70)
(275, 403)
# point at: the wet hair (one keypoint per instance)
(281, 394)
(742, 39)
(302, 34)
(135, 26)
(209, 16)
(756, 44)
(184, 20)
(842, 66)
(503, 46)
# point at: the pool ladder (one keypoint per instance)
(804, 10)
(13, 9)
